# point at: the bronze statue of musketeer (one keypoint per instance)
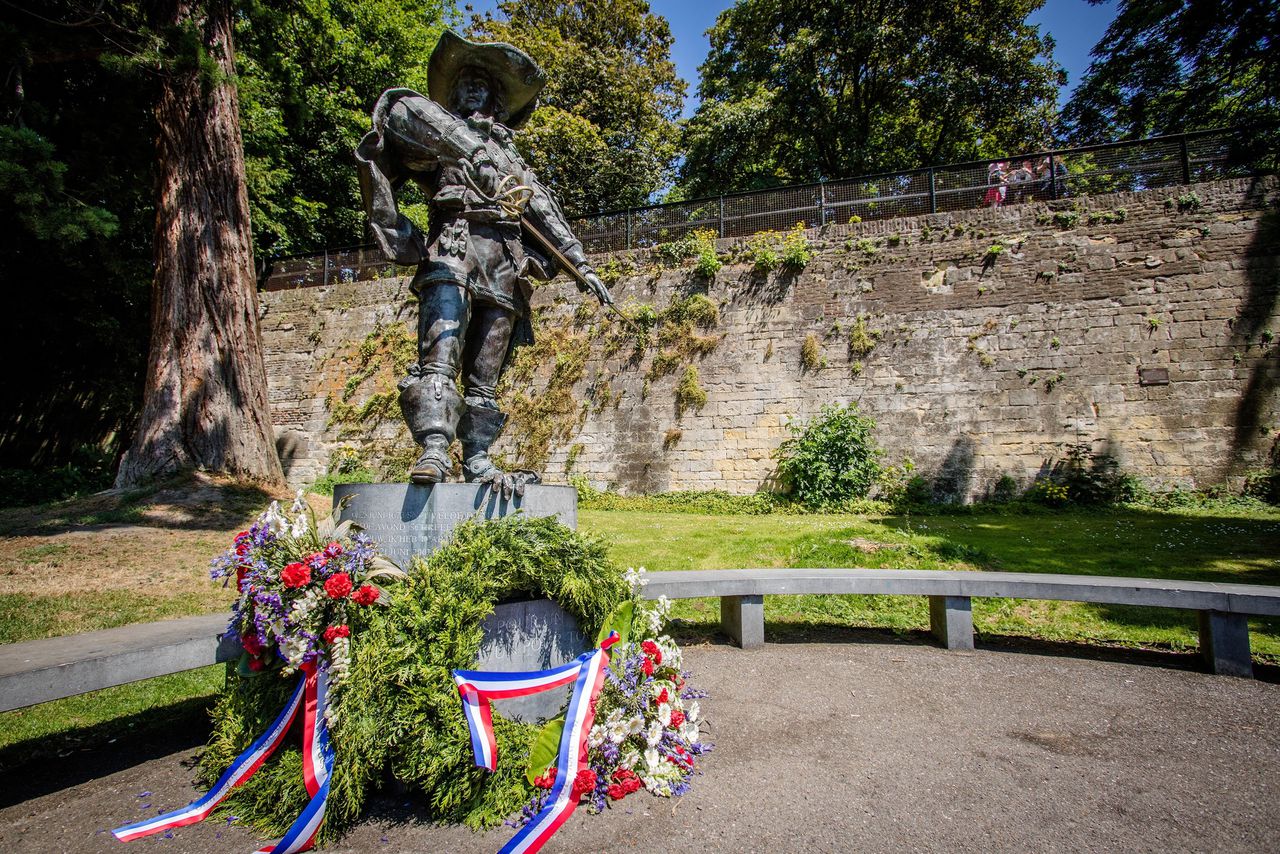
(493, 228)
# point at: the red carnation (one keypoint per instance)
(242, 542)
(251, 644)
(256, 664)
(651, 649)
(627, 779)
(663, 697)
(547, 780)
(338, 586)
(334, 632)
(295, 575)
(677, 718)
(366, 595)
(647, 667)
(616, 792)
(333, 550)
(584, 782)
(241, 571)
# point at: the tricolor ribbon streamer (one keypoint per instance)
(479, 687)
(317, 767)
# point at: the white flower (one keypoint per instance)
(275, 519)
(298, 503)
(658, 614)
(339, 661)
(630, 759)
(615, 716)
(671, 656)
(661, 788)
(693, 712)
(689, 732)
(636, 579)
(618, 730)
(635, 726)
(655, 733)
(652, 761)
(595, 738)
(299, 529)
(664, 714)
(293, 648)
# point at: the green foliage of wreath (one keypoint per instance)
(400, 713)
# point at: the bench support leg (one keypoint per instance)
(951, 621)
(742, 618)
(1224, 643)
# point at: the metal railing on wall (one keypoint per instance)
(1144, 164)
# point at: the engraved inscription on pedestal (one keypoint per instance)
(531, 635)
(406, 519)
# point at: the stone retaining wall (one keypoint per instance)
(984, 363)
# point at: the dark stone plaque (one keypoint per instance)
(533, 635)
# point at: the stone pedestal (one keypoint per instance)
(407, 520)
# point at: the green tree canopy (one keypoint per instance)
(1166, 66)
(605, 134)
(309, 74)
(809, 89)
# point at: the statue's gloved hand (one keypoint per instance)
(507, 482)
(592, 283)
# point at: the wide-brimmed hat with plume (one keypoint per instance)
(511, 68)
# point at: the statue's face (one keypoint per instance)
(472, 92)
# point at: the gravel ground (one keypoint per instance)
(874, 744)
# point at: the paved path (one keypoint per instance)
(866, 745)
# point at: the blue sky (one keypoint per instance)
(1075, 25)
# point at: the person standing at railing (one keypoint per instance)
(1045, 189)
(996, 182)
(1020, 181)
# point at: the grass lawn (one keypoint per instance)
(102, 562)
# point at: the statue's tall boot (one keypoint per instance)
(431, 407)
(478, 429)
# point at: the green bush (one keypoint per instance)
(761, 252)
(831, 460)
(1263, 484)
(345, 466)
(796, 251)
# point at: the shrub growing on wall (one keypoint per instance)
(830, 460)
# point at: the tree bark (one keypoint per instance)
(205, 404)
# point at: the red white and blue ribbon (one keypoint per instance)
(317, 768)
(478, 688)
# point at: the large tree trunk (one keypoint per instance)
(205, 403)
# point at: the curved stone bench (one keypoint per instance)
(1223, 608)
(42, 670)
